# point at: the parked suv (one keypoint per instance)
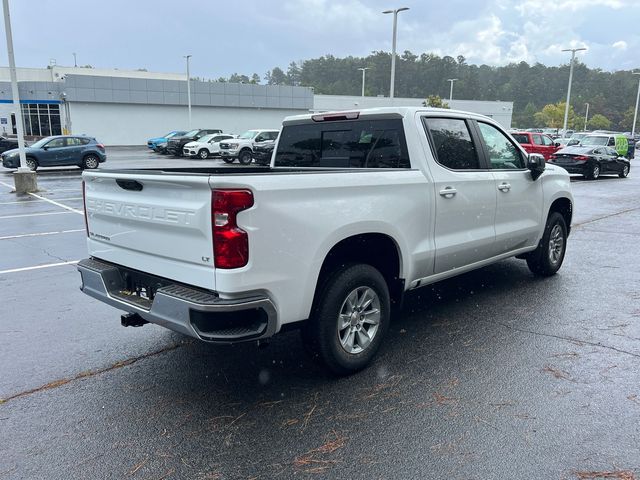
(536, 143)
(262, 153)
(176, 144)
(59, 150)
(8, 144)
(207, 146)
(242, 147)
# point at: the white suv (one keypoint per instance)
(207, 146)
(242, 147)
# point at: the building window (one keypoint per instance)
(41, 119)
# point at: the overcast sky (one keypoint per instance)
(247, 36)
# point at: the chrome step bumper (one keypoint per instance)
(191, 311)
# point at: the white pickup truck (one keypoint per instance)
(356, 209)
(242, 146)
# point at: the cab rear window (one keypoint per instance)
(378, 143)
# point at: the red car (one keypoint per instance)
(536, 143)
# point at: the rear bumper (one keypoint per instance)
(194, 312)
(577, 168)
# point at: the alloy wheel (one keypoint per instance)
(359, 319)
(556, 244)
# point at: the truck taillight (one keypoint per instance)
(84, 205)
(230, 242)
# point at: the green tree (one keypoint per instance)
(552, 116)
(599, 122)
(627, 120)
(276, 77)
(435, 101)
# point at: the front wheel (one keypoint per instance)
(350, 318)
(594, 173)
(624, 172)
(245, 157)
(227, 160)
(32, 163)
(547, 259)
(203, 154)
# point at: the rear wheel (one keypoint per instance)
(32, 163)
(547, 259)
(227, 160)
(350, 318)
(245, 157)
(624, 172)
(203, 154)
(90, 162)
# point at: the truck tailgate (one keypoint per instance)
(152, 222)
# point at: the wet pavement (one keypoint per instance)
(494, 374)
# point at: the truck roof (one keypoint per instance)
(352, 114)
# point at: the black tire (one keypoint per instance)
(32, 163)
(245, 157)
(323, 334)
(227, 160)
(624, 173)
(90, 162)
(203, 153)
(594, 173)
(542, 261)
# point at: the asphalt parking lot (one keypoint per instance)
(494, 374)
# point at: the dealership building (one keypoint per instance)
(121, 107)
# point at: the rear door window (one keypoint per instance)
(452, 143)
(378, 143)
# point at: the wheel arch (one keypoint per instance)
(379, 250)
(564, 207)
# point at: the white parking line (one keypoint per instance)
(33, 215)
(9, 237)
(48, 265)
(33, 201)
(50, 201)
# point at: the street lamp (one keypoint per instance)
(451, 80)
(566, 107)
(635, 114)
(24, 178)
(75, 60)
(393, 47)
(586, 117)
(363, 69)
(188, 89)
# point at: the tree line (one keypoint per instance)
(531, 88)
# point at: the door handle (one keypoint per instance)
(504, 187)
(448, 192)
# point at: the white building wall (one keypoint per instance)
(129, 124)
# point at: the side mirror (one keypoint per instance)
(557, 144)
(45, 147)
(536, 164)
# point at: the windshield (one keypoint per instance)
(589, 140)
(206, 138)
(191, 133)
(578, 136)
(172, 134)
(41, 142)
(248, 134)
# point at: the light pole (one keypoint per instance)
(363, 69)
(635, 114)
(75, 61)
(24, 178)
(188, 89)
(566, 107)
(451, 80)
(393, 48)
(586, 117)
